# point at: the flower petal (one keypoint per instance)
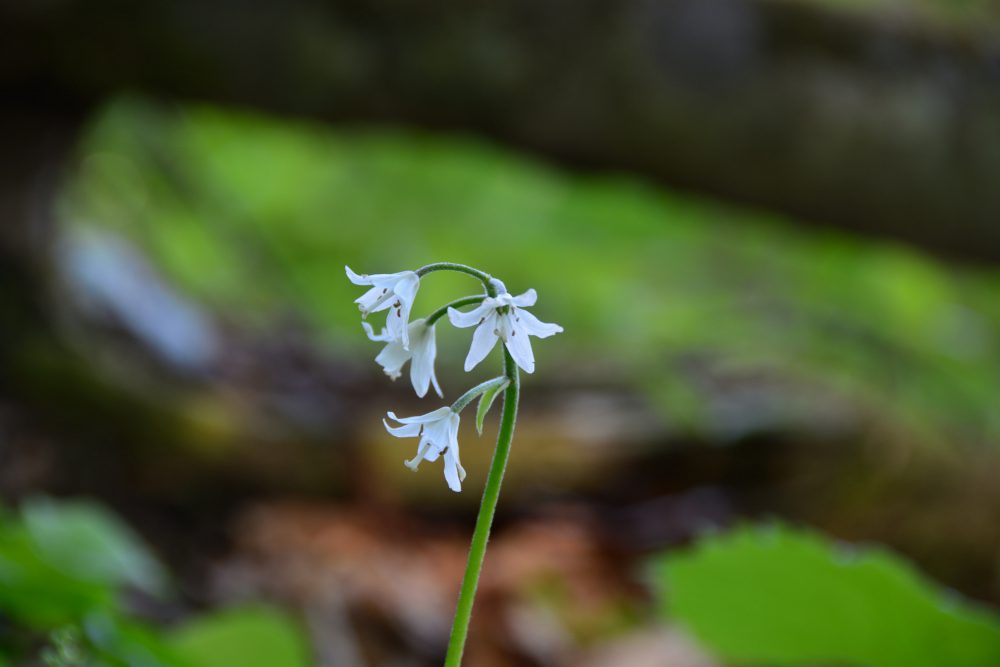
(395, 324)
(404, 431)
(434, 382)
(406, 287)
(437, 432)
(483, 340)
(454, 473)
(374, 300)
(525, 300)
(520, 348)
(453, 424)
(356, 278)
(424, 349)
(536, 327)
(422, 419)
(451, 471)
(424, 355)
(437, 436)
(391, 359)
(420, 376)
(383, 337)
(471, 318)
(387, 280)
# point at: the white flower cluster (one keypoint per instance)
(502, 317)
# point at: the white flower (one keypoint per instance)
(438, 433)
(503, 317)
(395, 291)
(421, 355)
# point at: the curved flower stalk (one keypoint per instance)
(421, 355)
(497, 315)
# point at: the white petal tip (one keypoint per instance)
(355, 278)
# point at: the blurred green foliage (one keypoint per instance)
(256, 217)
(66, 649)
(249, 637)
(64, 570)
(778, 596)
(36, 586)
(89, 544)
(979, 14)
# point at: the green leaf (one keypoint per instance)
(250, 637)
(777, 596)
(486, 402)
(36, 592)
(91, 544)
(119, 642)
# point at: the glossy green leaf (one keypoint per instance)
(777, 596)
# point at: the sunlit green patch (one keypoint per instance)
(257, 217)
(778, 596)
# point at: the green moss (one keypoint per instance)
(257, 217)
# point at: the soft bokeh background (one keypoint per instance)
(768, 435)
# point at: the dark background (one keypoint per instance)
(769, 228)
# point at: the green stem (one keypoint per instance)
(485, 278)
(481, 535)
(470, 395)
(457, 303)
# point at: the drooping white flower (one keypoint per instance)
(392, 291)
(503, 317)
(421, 355)
(438, 431)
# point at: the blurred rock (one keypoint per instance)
(112, 279)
